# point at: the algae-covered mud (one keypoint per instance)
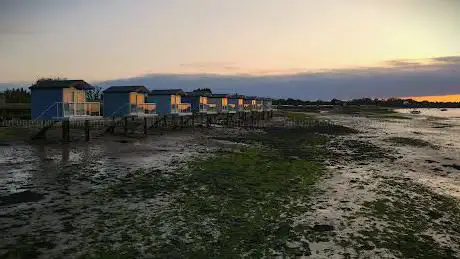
(339, 184)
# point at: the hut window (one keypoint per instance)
(132, 98)
(140, 98)
(71, 95)
(175, 99)
(240, 101)
(224, 101)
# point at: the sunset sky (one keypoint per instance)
(440, 98)
(101, 40)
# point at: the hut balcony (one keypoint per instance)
(247, 107)
(78, 109)
(143, 109)
(208, 108)
(181, 108)
(258, 107)
(232, 108)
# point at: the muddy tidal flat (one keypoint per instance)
(378, 184)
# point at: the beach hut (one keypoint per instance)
(199, 102)
(62, 99)
(221, 102)
(236, 102)
(169, 101)
(259, 104)
(122, 101)
(250, 103)
(267, 104)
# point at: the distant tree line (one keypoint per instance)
(19, 95)
(392, 102)
(203, 90)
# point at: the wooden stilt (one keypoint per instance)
(66, 131)
(87, 133)
(125, 126)
(145, 125)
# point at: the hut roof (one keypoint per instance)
(167, 92)
(250, 97)
(55, 84)
(127, 89)
(219, 96)
(198, 94)
(236, 96)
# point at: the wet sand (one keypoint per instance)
(48, 191)
(421, 174)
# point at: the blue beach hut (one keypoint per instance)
(62, 100)
(236, 102)
(220, 101)
(199, 102)
(250, 103)
(169, 101)
(268, 106)
(127, 101)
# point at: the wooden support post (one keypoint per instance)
(87, 136)
(145, 125)
(125, 126)
(114, 124)
(193, 120)
(66, 131)
(181, 121)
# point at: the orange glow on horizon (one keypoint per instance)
(439, 98)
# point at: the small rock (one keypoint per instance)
(323, 228)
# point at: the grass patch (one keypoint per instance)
(410, 210)
(231, 205)
(410, 142)
(246, 200)
(299, 116)
(235, 203)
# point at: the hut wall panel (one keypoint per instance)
(42, 101)
(163, 103)
(194, 102)
(116, 104)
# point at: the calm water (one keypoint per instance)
(450, 113)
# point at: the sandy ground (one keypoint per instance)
(352, 183)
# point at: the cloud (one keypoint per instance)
(438, 78)
(403, 62)
(341, 84)
(449, 59)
